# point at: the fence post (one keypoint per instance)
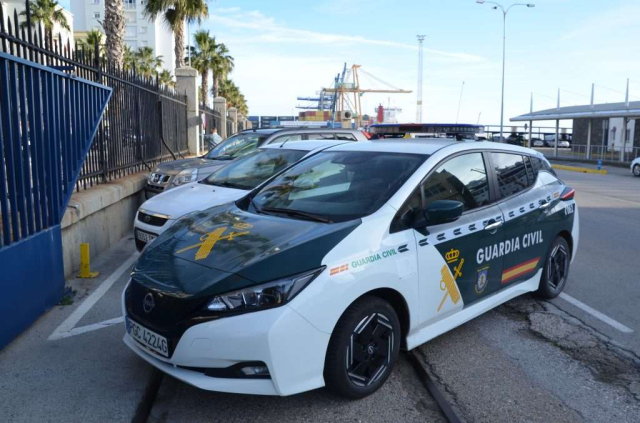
(233, 115)
(220, 105)
(187, 84)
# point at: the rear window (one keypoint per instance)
(511, 173)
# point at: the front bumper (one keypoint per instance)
(151, 229)
(292, 349)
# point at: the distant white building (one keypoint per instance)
(9, 6)
(139, 30)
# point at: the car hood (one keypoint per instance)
(191, 197)
(226, 248)
(175, 166)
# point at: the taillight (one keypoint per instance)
(567, 194)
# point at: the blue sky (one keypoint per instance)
(285, 48)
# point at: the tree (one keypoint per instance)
(165, 78)
(147, 63)
(88, 44)
(203, 57)
(175, 13)
(113, 26)
(222, 66)
(128, 58)
(46, 13)
(230, 91)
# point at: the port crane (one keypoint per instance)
(347, 85)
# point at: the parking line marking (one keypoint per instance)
(595, 313)
(89, 328)
(71, 321)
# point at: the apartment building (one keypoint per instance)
(9, 7)
(139, 30)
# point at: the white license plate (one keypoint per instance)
(147, 337)
(145, 236)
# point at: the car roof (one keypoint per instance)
(301, 129)
(428, 146)
(305, 145)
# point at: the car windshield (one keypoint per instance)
(337, 186)
(249, 171)
(236, 146)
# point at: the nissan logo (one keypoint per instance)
(148, 303)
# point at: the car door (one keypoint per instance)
(450, 275)
(523, 201)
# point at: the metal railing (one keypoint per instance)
(596, 152)
(145, 123)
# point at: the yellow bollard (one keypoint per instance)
(85, 263)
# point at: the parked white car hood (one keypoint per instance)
(191, 197)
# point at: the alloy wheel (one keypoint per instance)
(636, 170)
(558, 267)
(370, 349)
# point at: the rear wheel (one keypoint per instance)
(363, 348)
(636, 170)
(556, 269)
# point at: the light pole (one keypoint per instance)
(504, 38)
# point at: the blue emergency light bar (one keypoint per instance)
(425, 128)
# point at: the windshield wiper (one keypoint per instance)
(228, 184)
(298, 213)
(223, 157)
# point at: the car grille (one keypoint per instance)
(150, 219)
(159, 178)
(170, 317)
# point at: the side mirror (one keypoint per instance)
(437, 213)
(443, 211)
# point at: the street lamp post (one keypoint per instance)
(504, 41)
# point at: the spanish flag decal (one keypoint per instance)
(516, 271)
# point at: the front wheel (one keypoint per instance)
(636, 170)
(363, 348)
(556, 270)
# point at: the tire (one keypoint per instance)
(636, 170)
(556, 270)
(363, 348)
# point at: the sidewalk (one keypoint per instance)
(88, 375)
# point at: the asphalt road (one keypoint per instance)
(605, 272)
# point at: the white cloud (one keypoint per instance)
(272, 32)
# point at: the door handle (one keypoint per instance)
(544, 205)
(493, 226)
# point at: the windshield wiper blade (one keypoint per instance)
(290, 212)
(223, 157)
(228, 184)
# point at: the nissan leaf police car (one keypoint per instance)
(320, 276)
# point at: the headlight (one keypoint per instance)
(268, 295)
(185, 176)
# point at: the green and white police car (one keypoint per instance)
(320, 276)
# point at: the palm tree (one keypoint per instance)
(46, 13)
(222, 66)
(175, 12)
(166, 79)
(230, 91)
(203, 55)
(128, 58)
(147, 63)
(88, 44)
(114, 28)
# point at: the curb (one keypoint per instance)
(580, 169)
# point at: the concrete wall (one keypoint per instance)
(101, 216)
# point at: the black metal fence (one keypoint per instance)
(212, 120)
(144, 123)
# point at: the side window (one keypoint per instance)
(511, 173)
(539, 165)
(532, 173)
(346, 137)
(463, 178)
(294, 137)
(324, 136)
